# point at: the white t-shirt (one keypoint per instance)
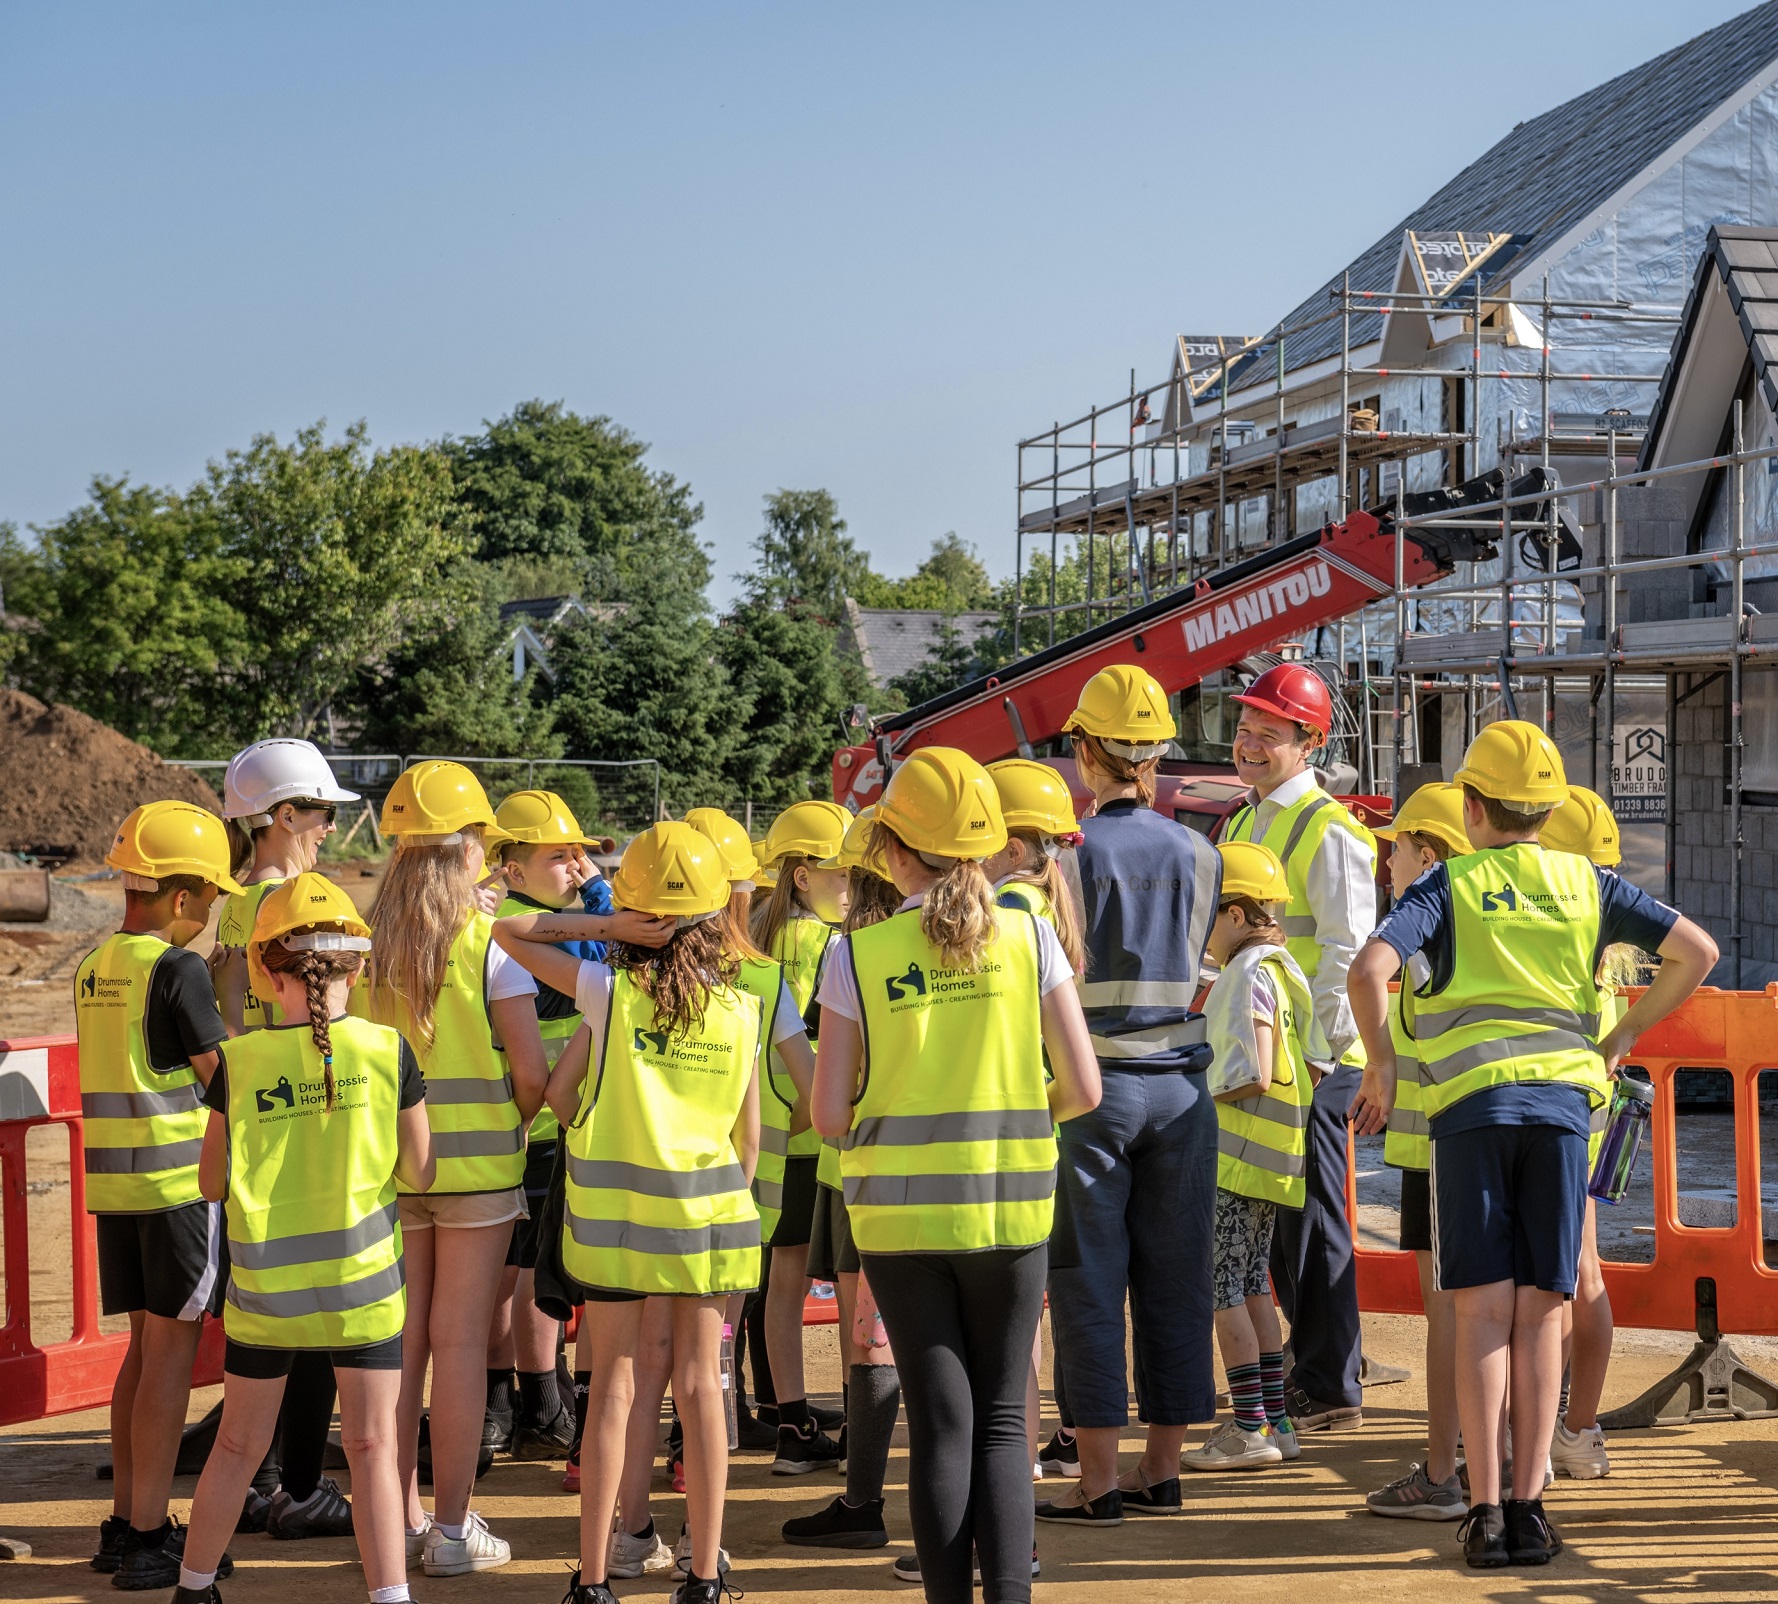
(592, 996)
(507, 977)
(839, 981)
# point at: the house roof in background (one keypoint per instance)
(891, 641)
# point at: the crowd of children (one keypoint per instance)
(950, 1055)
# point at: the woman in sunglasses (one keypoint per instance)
(279, 803)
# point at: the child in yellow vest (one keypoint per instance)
(1256, 1014)
(312, 1122)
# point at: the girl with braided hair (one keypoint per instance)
(313, 1123)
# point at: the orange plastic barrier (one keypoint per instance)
(1734, 1031)
(40, 1085)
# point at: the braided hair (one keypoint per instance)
(317, 971)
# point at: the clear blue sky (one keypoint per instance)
(790, 245)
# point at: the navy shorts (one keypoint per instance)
(1508, 1202)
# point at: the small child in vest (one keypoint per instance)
(311, 1122)
(1256, 1015)
(148, 1031)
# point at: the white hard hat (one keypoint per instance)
(279, 770)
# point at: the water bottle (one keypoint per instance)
(730, 1396)
(1632, 1107)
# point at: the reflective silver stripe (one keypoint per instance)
(1150, 1043)
(1137, 993)
(1409, 1122)
(1299, 925)
(468, 1089)
(665, 1241)
(1246, 1151)
(1293, 1116)
(774, 1139)
(613, 1175)
(143, 1160)
(924, 1191)
(314, 1246)
(1303, 819)
(1427, 1026)
(1599, 1119)
(140, 1105)
(301, 1301)
(1440, 1070)
(768, 1194)
(477, 1144)
(978, 1125)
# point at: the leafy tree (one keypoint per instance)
(805, 553)
(952, 579)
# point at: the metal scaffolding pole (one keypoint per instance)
(1737, 935)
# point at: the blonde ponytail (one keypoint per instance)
(957, 916)
(424, 901)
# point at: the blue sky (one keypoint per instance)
(858, 247)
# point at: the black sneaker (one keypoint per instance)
(112, 1531)
(1483, 1536)
(1152, 1497)
(826, 1419)
(695, 1590)
(1530, 1539)
(496, 1434)
(580, 1592)
(1060, 1456)
(324, 1513)
(551, 1440)
(256, 1510)
(198, 1595)
(840, 1464)
(755, 1433)
(840, 1526)
(1105, 1510)
(484, 1459)
(799, 1452)
(143, 1568)
(907, 1568)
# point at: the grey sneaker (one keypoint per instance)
(1416, 1496)
(638, 1556)
(324, 1513)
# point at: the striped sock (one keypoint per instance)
(1248, 1397)
(1271, 1370)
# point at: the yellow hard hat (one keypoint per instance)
(1033, 796)
(1513, 761)
(807, 829)
(309, 913)
(1250, 869)
(160, 839)
(435, 801)
(1584, 825)
(540, 818)
(1125, 708)
(860, 849)
(671, 870)
(941, 801)
(739, 861)
(767, 876)
(1435, 810)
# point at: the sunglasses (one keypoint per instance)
(329, 808)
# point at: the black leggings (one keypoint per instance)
(304, 1419)
(961, 1326)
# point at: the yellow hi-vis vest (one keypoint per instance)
(763, 979)
(1522, 1000)
(1613, 1005)
(144, 1130)
(1262, 1138)
(313, 1241)
(951, 1148)
(1296, 834)
(477, 1136)
(657, 1199)
(234, 928)
(1027, 896)
(1407, 1144)
(556, 1033)
(800, 946)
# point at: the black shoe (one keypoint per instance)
(324, 1514)
(551, 1440)
(496, 1433)
(826, 1419)
(800, 1452)
(840, 1526)
(695, 1590)
(256, 1510)
(587, 1593)
(198, 1595)
(1105, 1510)
(756, 1434)
(483, 1459)
(1530, 1539)
(1152, 1497)
(1483, 1536)
(840, 1463)
(142, 1568)
(112, 1531)
(1060, 1456)
(1313, 1414)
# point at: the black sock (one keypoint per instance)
(583, 1384)
(875, 1395)
(793, 1413)
(502, 1394)
(564, 1380)
(537, 1396)
(646, 1532)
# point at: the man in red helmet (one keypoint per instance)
(1330, 861)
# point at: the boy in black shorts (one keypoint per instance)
(148, 1029)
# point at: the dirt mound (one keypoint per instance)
(66, 780)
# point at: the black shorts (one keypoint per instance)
(268, 1364)
(832, 1251)
(1416, 1212)
(1508, 1204)
(540, 1161)
(798, 1216)
(173, 1263)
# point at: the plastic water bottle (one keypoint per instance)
(730, 1395)
(1632, 1107)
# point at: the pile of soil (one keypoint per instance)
(66, 780)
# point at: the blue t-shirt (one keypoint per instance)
(1421, 922)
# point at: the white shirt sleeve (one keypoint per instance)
(1342, 896)
(592, 996)
(507, 977)
(1053, 967)
(787, 1022)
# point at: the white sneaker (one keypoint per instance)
(478, 1549)
(630, 1555)
(416, 1541)
(1286, 1439)
(1231, 1448)
(1580, 1454)
(682, 1554)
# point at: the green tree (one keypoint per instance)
(950, 661)
(805, 553)
(952, 579)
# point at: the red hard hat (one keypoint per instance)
(1294, 692)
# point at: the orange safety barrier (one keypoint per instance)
(40, 1085)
